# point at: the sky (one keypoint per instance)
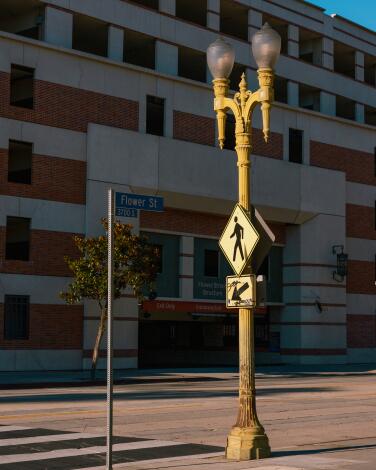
(361, 11)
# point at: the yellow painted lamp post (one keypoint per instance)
(247, 439)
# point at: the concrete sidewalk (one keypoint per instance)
(42, 379)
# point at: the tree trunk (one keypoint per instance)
(101, 328)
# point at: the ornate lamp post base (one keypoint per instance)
(247, 444)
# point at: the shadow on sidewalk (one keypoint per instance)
(288, 453)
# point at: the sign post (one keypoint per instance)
(110, 235)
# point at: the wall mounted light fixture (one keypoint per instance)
(341, 272)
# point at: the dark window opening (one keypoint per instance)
(345, 108)
(310, 46)
(282, 29)
(344, 59)
(90, 35)
(192, 11)
(17, 245)
(22, 86)
(139, 49)
(16, 317)
(309, 97)
(211, 263)
(192, 64)
(154, 4)
(236, 76)
(374, 161)
(296, 145)
(370, 115)
(229, 143)
(370, 69)
(280, 89)
(19, 162)
(234, 19)
(154, 115)
(22, 17)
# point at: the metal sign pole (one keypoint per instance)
(109, 327)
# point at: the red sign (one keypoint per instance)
(154, 306)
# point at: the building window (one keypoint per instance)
(22, 86)
(229, 143)
(155, 115)
(192, 64)
(211, 263)
(90, 35)
(16, 317)
(154, 4)
(192, 11)
(374, 161)
(17, 238)
(139, 49)
(234, 19)
(296, 145)
(19, 162)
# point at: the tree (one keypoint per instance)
(136, 263)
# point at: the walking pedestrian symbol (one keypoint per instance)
(238, 239)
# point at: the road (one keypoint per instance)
(313, 422)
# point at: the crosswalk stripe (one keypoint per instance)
(37, 439)
(15, 458)
(156, 461)
(12, 428)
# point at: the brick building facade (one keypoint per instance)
(93, 97)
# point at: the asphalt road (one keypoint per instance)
(323, 421)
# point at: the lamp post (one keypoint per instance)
(247, 439)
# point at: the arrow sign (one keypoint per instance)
(240, 291)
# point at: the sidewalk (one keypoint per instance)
(43, 379)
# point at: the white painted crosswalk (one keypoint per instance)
(36, 448)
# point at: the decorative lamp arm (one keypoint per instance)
(266, 97)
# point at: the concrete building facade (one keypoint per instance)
(117, 94)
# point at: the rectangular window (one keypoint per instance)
(211, 263)
(16, 317)
(296, 145)
(374, 161)
(17, 238)
(192, 11)
(22, 86)
(19, 162)
(148, 3)
(192, 64)
(154, 115)
(139, 49)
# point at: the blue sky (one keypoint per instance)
(361, 11)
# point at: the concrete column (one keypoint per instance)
(254, 22)
(167, 6)
(293, 40)
(327, 51)
(292, 93)
(186, 267)
(359, 66)
(313, 321)
(213, 14)
(166, 58)
(359, 112)
(58, 27)
(327, 103)
(115, 43)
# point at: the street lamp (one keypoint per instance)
(247, 439)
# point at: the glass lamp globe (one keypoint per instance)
(221, 57)
(266, 47)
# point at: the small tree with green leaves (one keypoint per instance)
(136, 263)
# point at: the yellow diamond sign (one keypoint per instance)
(238, 239)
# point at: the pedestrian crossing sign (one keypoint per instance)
(239, 239)
(241, 291)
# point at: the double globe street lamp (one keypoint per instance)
(247, 439)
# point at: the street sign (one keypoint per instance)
(238, 239)
(241, 291)
(139, 201)
(123, 212)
